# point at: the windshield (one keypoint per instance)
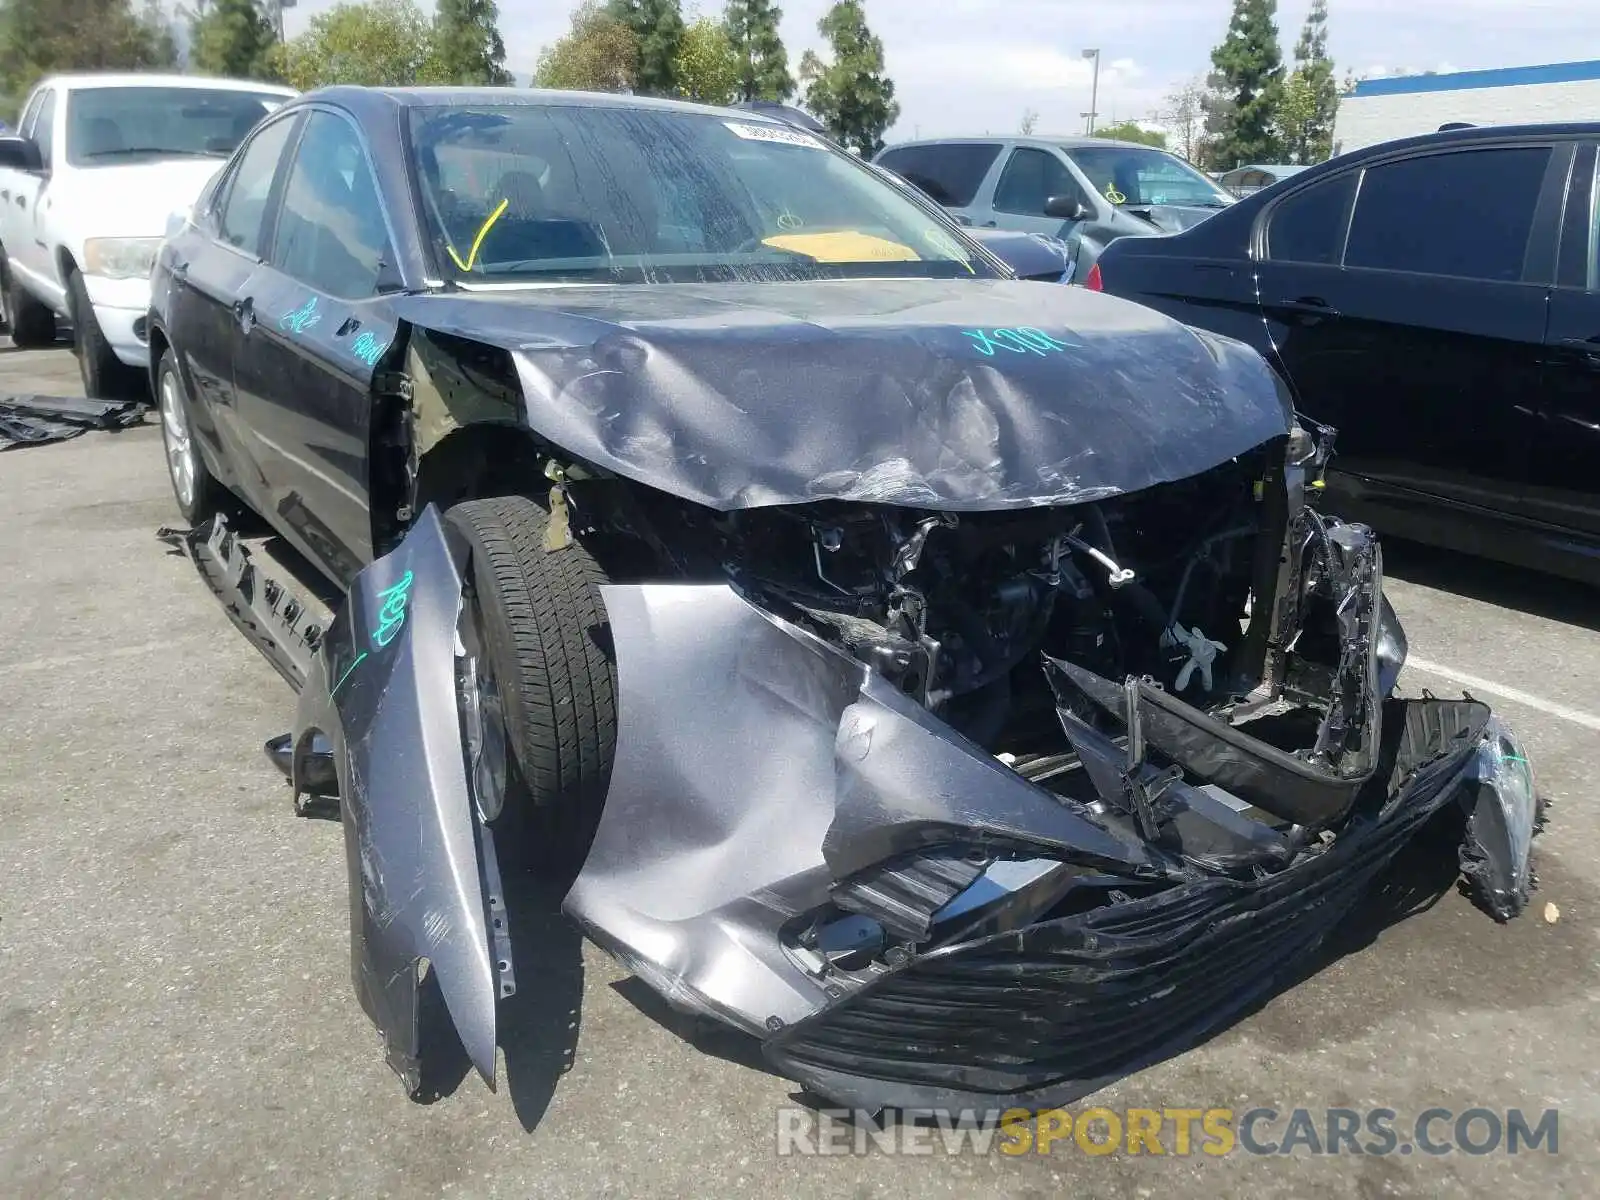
(1128, 175)
(112, 125)
(552, 192)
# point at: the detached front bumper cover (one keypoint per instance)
(809, 856)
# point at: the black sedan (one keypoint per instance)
(1438, 301)
(869, 637)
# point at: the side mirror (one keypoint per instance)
(1066, 208)
(21, 153)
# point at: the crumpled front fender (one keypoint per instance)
(424, 883)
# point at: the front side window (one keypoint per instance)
(26, 121)
(1308, 227)
(44, 128)
(129, 124)
(331, 234)
(1031, 177)
(950, 172)
(1466, 214)
(1139, 177)
(607, 192)
(246, 195)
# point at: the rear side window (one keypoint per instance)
(1466, 214)
(1308, 227)
(1031, 178)
(246, 202)
(1594, 232)
(951, 174)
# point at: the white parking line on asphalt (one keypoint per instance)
(1516, 695)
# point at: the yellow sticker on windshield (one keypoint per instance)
(1115, 196)
(845, 246)
(477, 242)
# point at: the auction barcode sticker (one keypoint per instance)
(773, 133)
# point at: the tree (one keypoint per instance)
(658, 26)
(379, 43)
(1183, 112)
(1132, 131)
(38, 37)
(1310, 95)
(233, 38)
(852, 95)
(1029, 122)
(467, 47)
(1251, 68)
(752, 27)
(707, 68)
(1217, 104)
(600, 54)
(1296, 116)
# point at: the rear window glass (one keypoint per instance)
(1466, 214)
(951, 174)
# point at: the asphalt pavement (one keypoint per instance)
(176, 1016)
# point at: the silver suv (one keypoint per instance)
(1087, 191)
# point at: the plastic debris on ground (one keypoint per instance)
(37, 420)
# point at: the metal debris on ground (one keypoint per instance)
(35, 420)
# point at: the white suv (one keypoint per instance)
(87, 183)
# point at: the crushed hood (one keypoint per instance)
(953, 394)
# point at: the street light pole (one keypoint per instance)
(1094, 92)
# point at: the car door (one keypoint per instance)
(213, 265)
(25, 247)
(315, 332)
(1030, 177)
(1421, 341)
(952, 173)
(14, 178)
(1564, 457)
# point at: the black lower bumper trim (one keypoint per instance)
(1049, 1013)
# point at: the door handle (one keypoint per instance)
(991, 224)
(1588, 347)
(1308, 306)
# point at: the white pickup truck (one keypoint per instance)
(87, 182)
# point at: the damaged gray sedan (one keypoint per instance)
(949, 682)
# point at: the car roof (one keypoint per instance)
(84, 80)
(371, 100)
(1072, 142)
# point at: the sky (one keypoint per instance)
(976, 66)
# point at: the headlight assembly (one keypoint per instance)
(120, 258)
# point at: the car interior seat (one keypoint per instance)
(530, 229)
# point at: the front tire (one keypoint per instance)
(536, 626)
(105, 376)
(197, 492)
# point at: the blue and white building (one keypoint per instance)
(1380, 110)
